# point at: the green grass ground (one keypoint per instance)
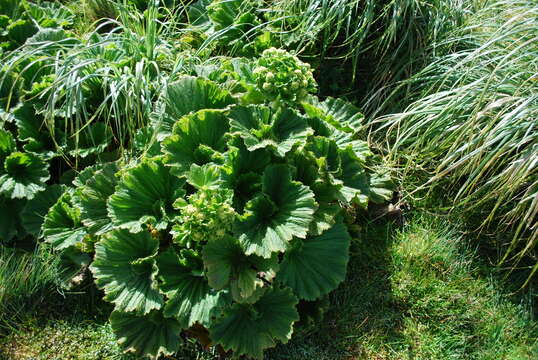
(413, 292)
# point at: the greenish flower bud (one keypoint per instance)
(260, 69)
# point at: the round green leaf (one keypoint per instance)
(7, 146)
(362, 184)
(337, 112)
(92, 199)
(145, 194)
(125, 268)
(317, 265)
(148, 336)
(324, 218)
(71, 262)
(189, 298)
(243, 171)
(23, 176)
(228, 267)
(92, 140)
(261, 127)
(188, 95)
(338, 120)
(35, 210)
(197, 139)
(86, 174)
(206, 177)
(31, 128)
(285, 209)
(355, 179)
(325, 187)
(381, 188)
(325, 151)
(62, 227)
(249, 329)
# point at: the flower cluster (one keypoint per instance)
(207, 214)
(282, 75)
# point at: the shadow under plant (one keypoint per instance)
(412, 292)
(417, 293)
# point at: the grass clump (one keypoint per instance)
(470, 127)
(26, 280)
(393, 34)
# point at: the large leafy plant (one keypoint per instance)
(21, 19)
(33, 159)
(235, 27)
(230, 225)
(68, 102)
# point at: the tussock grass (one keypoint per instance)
(472, 123)
(373, 43)
(26, 280)
(108, 76)
(384, 41)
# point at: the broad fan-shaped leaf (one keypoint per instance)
(318, 175)
(35, 210)
(313, 172)
(49, 14)
(315, 266)
(7, 146)
(23, 176)
(19, 30)
(82, 177)
(228, 267)
(324, 218)
(355, 178)
(9, 90)
(62, 227)
(250, 329)
(32, 130)
(361, 184)
(381, 188)
(188, 95)
(30, 125)
(48, 36)
(206, 177)
(145, 195)
(285, 209)
(190, 299)
(125, 268)
(325, 151)
(146, 142)
(92, 140)
(337, 112)
(243, 171)
(261, 127)
(340, 121)
(71, 262)
(92, 199)
(197, 139)
(148, 336)
(223, 13)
